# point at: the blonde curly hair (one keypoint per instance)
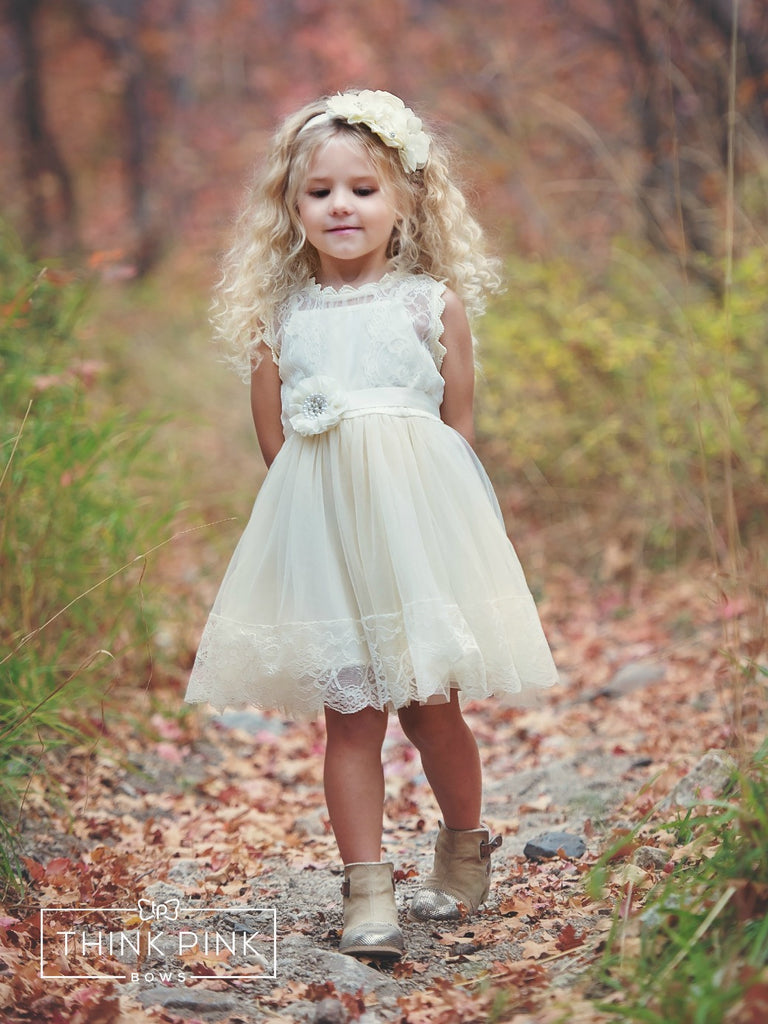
(270, 257)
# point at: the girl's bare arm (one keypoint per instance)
(458, 368)
(265, 408)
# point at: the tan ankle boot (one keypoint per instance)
(461, 875)
(370, 913)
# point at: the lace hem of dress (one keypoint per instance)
(381, 661)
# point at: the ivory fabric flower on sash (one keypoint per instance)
(315, 405)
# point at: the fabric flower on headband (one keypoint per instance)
(389, 118)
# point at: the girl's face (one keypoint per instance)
(347, 213)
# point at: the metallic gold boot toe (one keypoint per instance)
(434, 905)
(372, 939)
(370, 912)
(461, 875)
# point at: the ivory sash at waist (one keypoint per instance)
(392, 401)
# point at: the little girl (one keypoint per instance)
(375, 574)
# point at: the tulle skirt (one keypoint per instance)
(374, 571)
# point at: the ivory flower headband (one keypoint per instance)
(387, 116)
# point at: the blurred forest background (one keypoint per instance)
(616, 150)
(133, 123)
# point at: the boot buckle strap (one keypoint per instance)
(346, 888)
(493, 844)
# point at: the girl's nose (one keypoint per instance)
(340, 202)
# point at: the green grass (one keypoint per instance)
(76, 512)
(696, 952)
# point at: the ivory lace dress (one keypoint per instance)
(375, 568)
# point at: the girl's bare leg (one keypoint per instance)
(354, 782)
(449, 757)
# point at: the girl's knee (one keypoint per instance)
(412, 722)
(362, 728)
(431, 724)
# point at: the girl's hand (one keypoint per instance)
(458, 368)
(265, 407)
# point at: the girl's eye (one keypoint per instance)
(365, 190)
(319, 193)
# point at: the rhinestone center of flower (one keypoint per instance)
(314, 405)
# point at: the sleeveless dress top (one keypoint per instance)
(375, 569)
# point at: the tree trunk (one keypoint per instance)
(51, 205)
(119, 41)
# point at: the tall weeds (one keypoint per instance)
(71, 513)
(696, 951)
(743, 565)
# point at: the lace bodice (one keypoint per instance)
(382, 334)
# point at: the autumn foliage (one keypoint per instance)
(617, 154)
(580, 119)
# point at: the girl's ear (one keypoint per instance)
(393, 246)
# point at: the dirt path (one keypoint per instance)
(228, 813)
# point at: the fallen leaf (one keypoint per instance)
(569, 939)
(542, 803)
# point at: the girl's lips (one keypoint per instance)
(342, 228)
